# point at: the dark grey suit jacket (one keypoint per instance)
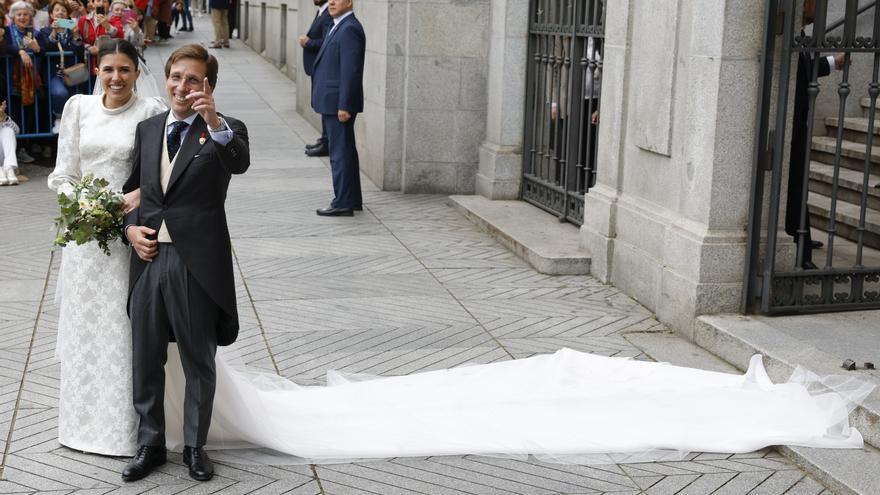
(192, 207)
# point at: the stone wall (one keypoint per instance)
(666, 220)
(425, 84)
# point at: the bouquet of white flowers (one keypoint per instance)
(91, 213)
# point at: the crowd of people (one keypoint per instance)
(39, 74)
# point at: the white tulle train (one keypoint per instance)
(568, 406)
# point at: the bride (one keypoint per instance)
(94, 336)
(566, 407)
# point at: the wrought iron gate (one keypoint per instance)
(562, 104)
(831, 180)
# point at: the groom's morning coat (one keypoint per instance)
(192, 206)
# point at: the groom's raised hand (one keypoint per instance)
(203, 103)
(145, 247)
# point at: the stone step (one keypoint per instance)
(847, 219)
(849, 184)
(549, 246)
(855, 129)
(792, 341)
(865, 103)
(852, 154)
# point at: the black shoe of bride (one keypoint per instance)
(146, 459)
(200, 466)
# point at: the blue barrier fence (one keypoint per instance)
(35, 120)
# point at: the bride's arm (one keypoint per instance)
(132, 201)
(67, 166)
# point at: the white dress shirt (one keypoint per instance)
(337, 20)
(221, 136)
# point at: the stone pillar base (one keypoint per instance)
(597, 232)
(676, 268)
(499, 174)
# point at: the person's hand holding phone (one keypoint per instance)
(101, 17)
(69, 24)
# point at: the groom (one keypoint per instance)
(181, 281)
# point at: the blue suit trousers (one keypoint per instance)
(344, 163)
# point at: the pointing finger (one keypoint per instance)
(206, 86)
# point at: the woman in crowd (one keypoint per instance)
(76, 9)
(61, 39)
(8, 159)
(98, 23)
(41, 14)
(25, 46)
(128, 17)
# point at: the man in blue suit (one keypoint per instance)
(338, 95)
(311, 43)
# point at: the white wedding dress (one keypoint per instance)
(94, 335)
(567, 407)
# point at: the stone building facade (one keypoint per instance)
(445, 84)
(425, 84)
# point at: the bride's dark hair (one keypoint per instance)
(110, 46)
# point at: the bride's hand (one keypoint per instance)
(131, 201)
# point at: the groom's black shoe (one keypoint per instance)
(200, 466)
(147, 458)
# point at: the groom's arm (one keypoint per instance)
(137, 236)
(235, 156)
(133, 182)
(229, 135)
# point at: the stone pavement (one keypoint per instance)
(408, 285)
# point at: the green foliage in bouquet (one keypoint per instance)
(92, 213)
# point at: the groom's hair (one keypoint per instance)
(195, 52)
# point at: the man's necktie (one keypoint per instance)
(174, 138)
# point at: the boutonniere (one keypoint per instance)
(202, 138)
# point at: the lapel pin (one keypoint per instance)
(202, 139)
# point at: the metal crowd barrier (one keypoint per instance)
(35, 121)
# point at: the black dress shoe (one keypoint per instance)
(144, 461)
(318, 151)
(816, 244)
(329, 211)
(200, 466)
(316, 144)
(809, 265)
(359, 208)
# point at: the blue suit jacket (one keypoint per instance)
(317, 31)
(338, 73)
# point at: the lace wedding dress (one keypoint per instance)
(94, 335)
(567, 407)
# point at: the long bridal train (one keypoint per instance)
(567, 406)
